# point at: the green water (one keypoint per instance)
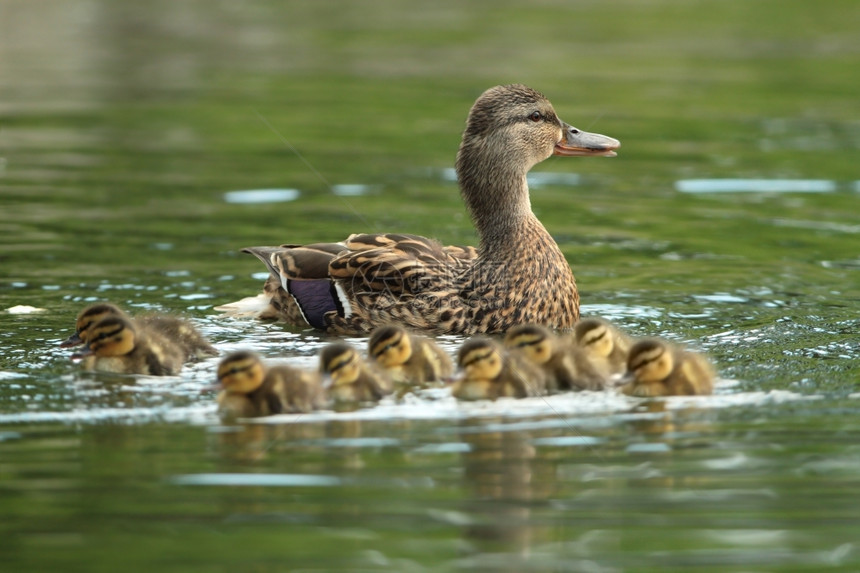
(123, 125)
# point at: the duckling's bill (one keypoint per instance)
(578, 143)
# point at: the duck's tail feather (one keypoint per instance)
(250, 306)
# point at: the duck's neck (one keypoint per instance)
(497, 197)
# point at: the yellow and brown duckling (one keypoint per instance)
(349, 378)
(249, 388)
(178, 331)
(115, 344)
(87, 318)
(490, 371)
(658, 368)
(566, 366)
(408, 358)
(605, 345)
(368, 280)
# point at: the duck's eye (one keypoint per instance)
(536, 116)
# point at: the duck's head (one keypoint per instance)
(390, 346)
(111, 336)
(649, 360)
(519, 125)
(87, 318)
(340, 364)
(537, 343)
(241, 372)
(480, 359)
(595, 336)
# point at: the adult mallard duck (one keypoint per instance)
(115, 344)
(178, 331)
(250, 388)
(490, 371)
(517, 274)
(408, 358)
(658, 368)
(566, 366)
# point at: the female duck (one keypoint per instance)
(565, 366)
(180, 332)
(351, 379)
(115, 344)
(605, 345)
(517, 275)
(408, 358)
(658, 368)
(490, 371)
(250, 389)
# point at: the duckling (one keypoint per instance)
(88, 317)
(194, 345)
(115, 344)
(351, 378)
(251, 389)
(566, 366)
(518, 275)
(491, 371)
(408, 358)
(658, 368)
(605, 345)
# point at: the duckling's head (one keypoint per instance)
(537, 343)
(650, 360)
(390, 346)
(480, 359)
(111, 336)
(87, 318)
(595, 336)
(241, 372)
(340, 363)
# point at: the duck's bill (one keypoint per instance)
(81, 354)
(73, 340)
(578, 143)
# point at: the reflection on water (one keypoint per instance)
(755, 186)
(261, 196)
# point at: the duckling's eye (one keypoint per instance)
(536, 116)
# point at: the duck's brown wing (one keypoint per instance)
(396, 264)
(330, 282)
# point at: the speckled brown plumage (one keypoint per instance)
(516, 275)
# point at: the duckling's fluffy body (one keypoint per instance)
(351, 379)
(115, 344)
(658, 368)
(250, 388)
(490, 371)
(565, 366)
(180, 332)
(517, 274)
(604, 344)
(408, 358)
